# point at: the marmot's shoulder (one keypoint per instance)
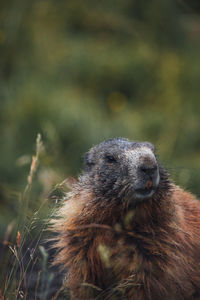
(188, 211)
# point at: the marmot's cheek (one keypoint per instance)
(156, 180)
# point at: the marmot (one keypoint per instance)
(126, 231)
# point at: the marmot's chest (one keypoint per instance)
(139, 260)
(130, 252)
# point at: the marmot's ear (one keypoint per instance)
(89, 162)
(150, 145)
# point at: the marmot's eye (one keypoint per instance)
(110, 158)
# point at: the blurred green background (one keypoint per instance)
(79, 72)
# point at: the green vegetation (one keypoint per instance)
(79, 72)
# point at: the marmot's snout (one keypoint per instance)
(148, 180)
(144, 169)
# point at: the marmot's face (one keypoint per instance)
(123, 169)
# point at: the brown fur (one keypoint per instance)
(148, 252)
(163, 263)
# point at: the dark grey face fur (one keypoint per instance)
(123, 169)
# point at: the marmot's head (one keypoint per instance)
(121, 169)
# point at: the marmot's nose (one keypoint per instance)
(148, 180)
(151, 171)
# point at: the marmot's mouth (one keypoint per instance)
(146, 192)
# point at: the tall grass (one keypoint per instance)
(26, 272)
